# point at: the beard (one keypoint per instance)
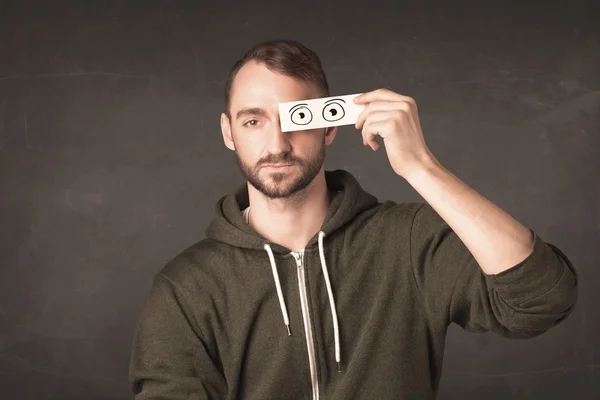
(283, 184)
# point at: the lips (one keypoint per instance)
(277, 165)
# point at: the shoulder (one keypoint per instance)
(391, 224)
(404, 213)
(198, 264)
(418, 220)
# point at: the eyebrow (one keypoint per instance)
(296, 106)
(250, 111)
(334, 100)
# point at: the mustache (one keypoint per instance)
(285, 159)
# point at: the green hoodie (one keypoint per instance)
(214, 326)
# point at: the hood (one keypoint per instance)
(228, 225)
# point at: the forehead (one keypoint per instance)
(257, 86)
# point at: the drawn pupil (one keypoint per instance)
(333, 112)
(302, 115)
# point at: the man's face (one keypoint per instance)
(254, 132)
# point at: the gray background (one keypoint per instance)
(111, 160)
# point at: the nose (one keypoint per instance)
(278, 141)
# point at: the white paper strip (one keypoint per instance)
(319, 113)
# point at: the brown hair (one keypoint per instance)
(287, 57)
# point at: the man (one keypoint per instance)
(308, 287)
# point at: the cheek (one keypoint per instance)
(249, 151)
(316, 141)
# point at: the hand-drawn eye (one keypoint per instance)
(333, 110)
(300, 114)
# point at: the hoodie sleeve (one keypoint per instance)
(169, 358)
(524, 301)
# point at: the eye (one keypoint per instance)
(333, 111)
(301, 116)
(248, 123)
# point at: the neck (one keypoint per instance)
(293, 221)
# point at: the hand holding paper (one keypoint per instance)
(395, 118)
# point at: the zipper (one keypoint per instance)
(307, 324)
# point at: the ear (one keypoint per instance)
(330, 133)
(226, 132)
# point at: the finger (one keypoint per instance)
(379, 115)
(375, 116)
(370, 139)
(374, 128)
(381, 94)
(381, 106)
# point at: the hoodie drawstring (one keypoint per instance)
(278, 286)
(336, 331)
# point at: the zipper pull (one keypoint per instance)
(297, 258)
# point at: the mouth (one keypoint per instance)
(277, 166)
